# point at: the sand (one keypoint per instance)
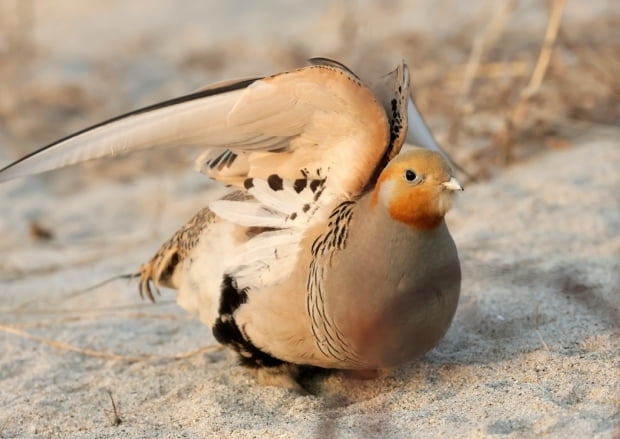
(534, 348)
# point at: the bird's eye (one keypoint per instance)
(410, 175)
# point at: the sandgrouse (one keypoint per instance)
(331, 250)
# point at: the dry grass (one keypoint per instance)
(510, 101)
(73, 315)
(105, 355)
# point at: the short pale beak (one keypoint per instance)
(453, 185)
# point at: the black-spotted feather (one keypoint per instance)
(288, 207)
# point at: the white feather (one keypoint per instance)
(269, 257)
(266, 259)
(248, 214)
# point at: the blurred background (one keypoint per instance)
(479, 78)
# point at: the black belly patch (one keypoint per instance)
(227, 332)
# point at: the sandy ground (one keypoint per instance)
(534, 349)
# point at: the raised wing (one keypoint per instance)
(312, 122)
(169, 123)
(391, 91)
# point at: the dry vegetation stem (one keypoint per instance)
(106, 355)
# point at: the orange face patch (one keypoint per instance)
(421, 203)
(417, 208)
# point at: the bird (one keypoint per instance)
(331, 248)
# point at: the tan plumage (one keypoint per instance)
(367, 290)
(332, 251)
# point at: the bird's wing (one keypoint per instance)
(419, 134)
(314, 121)
(304, 139)
(283, 210)
(289, 207)
(175, 122)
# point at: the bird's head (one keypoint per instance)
(416, 188)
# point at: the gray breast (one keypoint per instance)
(392, 291)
